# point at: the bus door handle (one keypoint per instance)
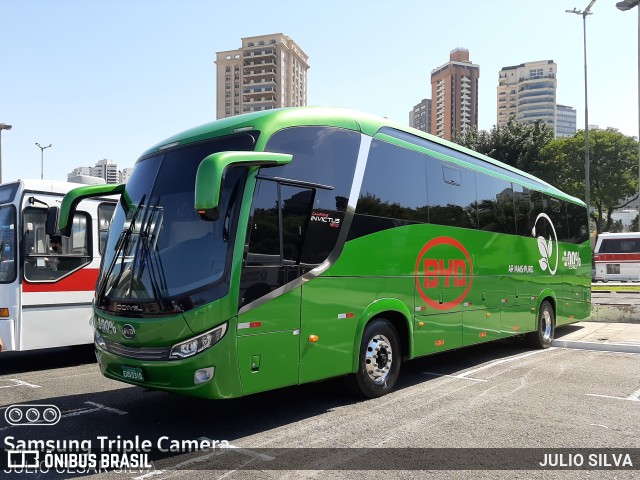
(441, 298)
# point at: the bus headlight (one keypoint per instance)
(198, 344)
(99, 340)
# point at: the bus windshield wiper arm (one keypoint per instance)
(120, 247)
(148, 254)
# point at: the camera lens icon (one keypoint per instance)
(32, 415)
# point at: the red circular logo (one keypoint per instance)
(433, 272)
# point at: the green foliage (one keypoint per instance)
(516, 144)
(613, 170)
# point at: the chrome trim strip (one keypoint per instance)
(51, 305)
(358, 175)
(365, 146)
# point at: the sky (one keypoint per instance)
(110, 79)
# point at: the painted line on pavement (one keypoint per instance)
(597, 346)
(20, 383)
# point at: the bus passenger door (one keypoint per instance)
(269, 315)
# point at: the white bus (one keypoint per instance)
(617, 257)
(47, 282)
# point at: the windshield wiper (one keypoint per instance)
(149, 257)
(120, 247)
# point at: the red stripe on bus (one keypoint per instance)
(607, 257)
(80, 281)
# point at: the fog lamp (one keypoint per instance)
(203, 375)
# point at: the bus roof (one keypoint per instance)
(620, 235)
(270, 121)
(53, 186)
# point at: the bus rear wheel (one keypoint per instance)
(543, 336)
(379, 361)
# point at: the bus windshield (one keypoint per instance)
(7, 243)
(160, 254)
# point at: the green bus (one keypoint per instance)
(289, 246)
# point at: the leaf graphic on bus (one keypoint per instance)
(544, 248)
(549, 248)
(543, 263)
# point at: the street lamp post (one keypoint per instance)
(42, 149)
(624, 6)
(587, 189)
(3, 126)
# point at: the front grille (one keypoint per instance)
(141, 353)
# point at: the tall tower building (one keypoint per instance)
(420, 116)
(527, 92)
(268, 71)
(454, 94)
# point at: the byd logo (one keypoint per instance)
(443, 259)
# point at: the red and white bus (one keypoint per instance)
(47, 282)
(617, 257)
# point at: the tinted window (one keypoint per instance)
(298, 209)
(436, 147)
(558, 214)
(495, 204)
(577, 221)
(620, 245)
(523, 210)
(451, 194)
(321, 155)
(394, 184)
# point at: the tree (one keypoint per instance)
(613, 171)
(516, 144)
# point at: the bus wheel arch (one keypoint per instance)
(395, 312)
(379, 355)
(544, 333)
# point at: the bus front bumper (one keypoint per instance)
(187, 376)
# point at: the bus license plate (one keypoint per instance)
(133, 373)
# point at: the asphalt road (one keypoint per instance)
(501, 395)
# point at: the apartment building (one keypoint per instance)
(527, 92)
(454, 94)
(107, 170)
(266, 72)
(420, 116)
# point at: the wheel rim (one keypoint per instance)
(547, 323)
(378, 358)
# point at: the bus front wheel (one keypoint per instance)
(379, 361)
(543, 336)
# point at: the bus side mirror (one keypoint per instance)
(51, 224)
(211, 174)
(73, 197)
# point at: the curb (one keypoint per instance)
(601, 347)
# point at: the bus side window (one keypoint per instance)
(51, 258)
(275, 237)
(495, 204)
(452, 195)
(577, 219)
(523, 210)
(105, 213)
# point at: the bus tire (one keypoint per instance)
(543, 336)
(379, 360)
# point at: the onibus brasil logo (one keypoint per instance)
(546, 246)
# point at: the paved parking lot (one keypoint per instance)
(501, 395)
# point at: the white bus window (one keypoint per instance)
(51, 258)
(105, 213)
